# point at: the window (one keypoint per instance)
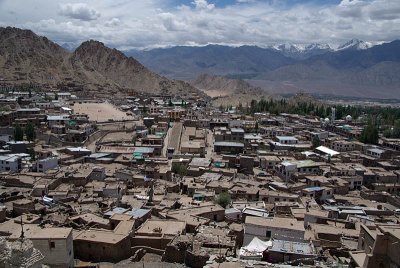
(52, 244)
(268, 234)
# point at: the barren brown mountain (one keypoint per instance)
(28, 58)
(228, 91)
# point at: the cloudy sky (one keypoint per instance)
(156, 23)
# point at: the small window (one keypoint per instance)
(268, 234)
(52, 244)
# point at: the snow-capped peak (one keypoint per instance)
(355, 44)
(317, 46)
(288, 47)
(301, 48)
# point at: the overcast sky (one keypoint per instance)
(154, 23)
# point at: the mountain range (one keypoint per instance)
(355, 68)
(92, 68)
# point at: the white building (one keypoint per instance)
(5, 138)
(48, 163)
(10, 163)
(287, 140)
(57, 119)
(318, 193)
(343, 146)
(355, 182)
(56, 244)
(64, 95)
(375, 152)
(273, 228)
(287, 169)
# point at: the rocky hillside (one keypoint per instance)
(28, 58)
(228, 91)
(218, 86)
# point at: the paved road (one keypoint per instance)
(210, 144)
(174, 139)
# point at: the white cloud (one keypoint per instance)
(80, 11)
(114, 22)
(152, 23)
(203, 4)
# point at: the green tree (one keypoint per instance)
(316, 142)
(223, 199)
(32, 154)
(369, 134)
(18, 133)
(393, 132)
(30, 132)
(240, 107)
(179, 169)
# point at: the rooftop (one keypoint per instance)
(276, 222)
(166, 227)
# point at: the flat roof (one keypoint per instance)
(144, 150)
(78, 149)
(286, 138)
(301, 163)
(169, 227)
(49, 232)
(376, 150)
(326, 150)
(200, 162)
(57, 117)
(100, 236)
(137, 213)
(8, 157)
(292, 247)
(228, 144)
(276, 222)
(238, 130)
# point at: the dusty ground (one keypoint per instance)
(118, 136)
(100, 112)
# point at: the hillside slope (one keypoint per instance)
(28, 58)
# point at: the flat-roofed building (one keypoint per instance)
(157, 233)
(104, 245)
(228, 147)
(10, 163)
(273, 228)
(55, 243)
(287, 140)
